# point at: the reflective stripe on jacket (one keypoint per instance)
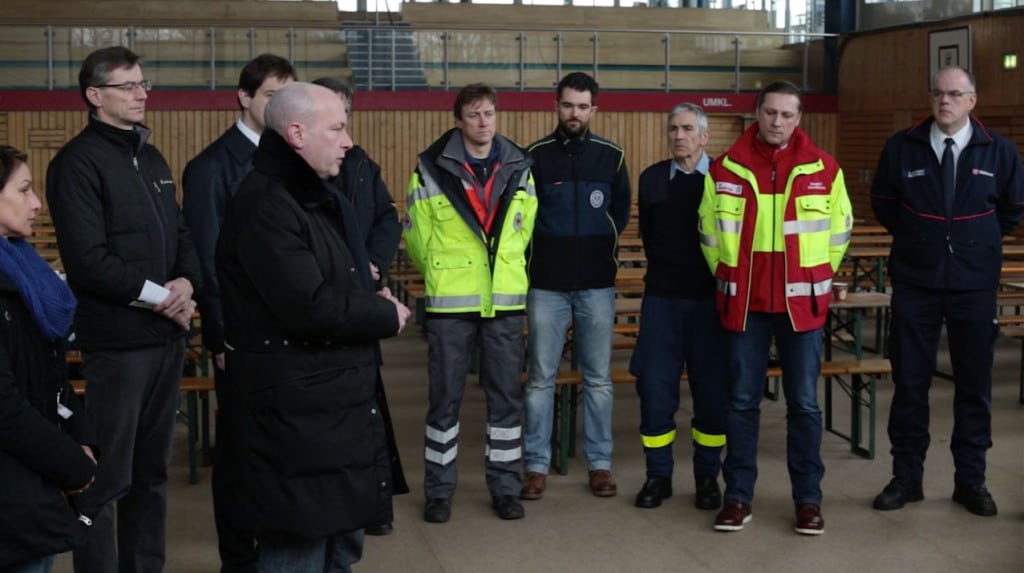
(809, 223)
(465, 269)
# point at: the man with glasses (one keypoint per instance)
(948, 189)
(133, 267)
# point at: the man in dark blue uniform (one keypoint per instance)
(948, 189)
(679, 325)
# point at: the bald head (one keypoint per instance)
(313, 121)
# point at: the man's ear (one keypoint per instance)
(93, 95)
(295, 134)
(244, 99)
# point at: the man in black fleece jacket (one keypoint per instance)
(121, 234)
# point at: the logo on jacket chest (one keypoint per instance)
(596, 199)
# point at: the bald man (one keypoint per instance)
(302, 323)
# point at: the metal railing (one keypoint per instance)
(400, 57)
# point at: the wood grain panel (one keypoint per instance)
(392, 138)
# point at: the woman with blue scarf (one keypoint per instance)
(44, 459)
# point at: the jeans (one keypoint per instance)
(333, 554)
(800, 353)
(37, 565)
(593, 314)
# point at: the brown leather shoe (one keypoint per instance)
(809, 520)
(734, 515)
(602, 484)
(533, 486)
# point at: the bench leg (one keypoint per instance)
(1021, 398)
(191, 400)
(204, 431)
(560, 435)
(771, 389)
(857, 387)
(828, 403)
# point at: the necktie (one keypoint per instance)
(948, 176)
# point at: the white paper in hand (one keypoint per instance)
(152, 294)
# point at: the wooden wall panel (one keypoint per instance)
(883, 84)
(888, 70)
(393, 138)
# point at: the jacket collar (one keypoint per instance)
(133, 139)
(277, 159)
(799, 150)
(238, 145)
(571, 145)
(922, 131)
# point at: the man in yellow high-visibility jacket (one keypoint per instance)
(775, 221)
(470, 215)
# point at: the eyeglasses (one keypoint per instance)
(953, 95)
(128, 87)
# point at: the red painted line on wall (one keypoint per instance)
(177, 100)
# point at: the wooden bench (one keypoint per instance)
(863, 376)
(197, 411)
(1016, 331)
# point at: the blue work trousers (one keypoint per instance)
(678, 333)
(971, 329)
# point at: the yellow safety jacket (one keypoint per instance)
(809, 223)
(465, 269)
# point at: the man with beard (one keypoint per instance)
(584, 199)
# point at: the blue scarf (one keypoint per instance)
(47, 297)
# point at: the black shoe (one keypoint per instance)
(380, 529)
(708, 494)
(975, 498)
(437, 510)
(898, 492)
(508, 507)
(655, 491)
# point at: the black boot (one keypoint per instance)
(708, 494)
(656, 489)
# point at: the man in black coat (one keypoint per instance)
(302, 323)
(122, 238)
(210, 179)
(360, 182)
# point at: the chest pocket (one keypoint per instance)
(728, 225)
(813, 227)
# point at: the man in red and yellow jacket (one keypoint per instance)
(775, 221)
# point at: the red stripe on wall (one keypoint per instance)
(175, 100)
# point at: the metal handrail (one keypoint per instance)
(443, 36)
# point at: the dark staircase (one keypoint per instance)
(383, 57)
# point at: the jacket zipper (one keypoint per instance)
(156, 211)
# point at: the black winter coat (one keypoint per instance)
(301, 331)
(360, 182)
(33, 379)
(209, 180)
(113, 204)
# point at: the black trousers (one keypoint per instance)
(971, 330)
